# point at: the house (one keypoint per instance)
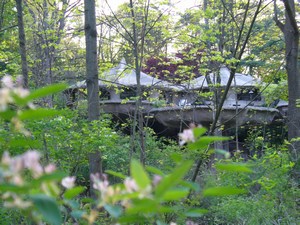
(172, 107)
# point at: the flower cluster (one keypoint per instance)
(186, 136)
(110, 194)
(10, 92)
(10, 89)
(15, 171)
(15, 166)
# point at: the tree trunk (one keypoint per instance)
(139, 114)
(95, 164)
(291, 35)
(22, 43)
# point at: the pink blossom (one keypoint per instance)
(7, 81)
(50, 168)
(130, 185)
(5, 98)
(68, 182)
(156, 179)
(19, 81)
(21, 92)
(98, 184)
(186, 136)
(17, 180)
(17, 164)
(31, 161)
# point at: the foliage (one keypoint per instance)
(32, 188)
(275, 92)
(185, 66)
(25, 183)
(271, 192)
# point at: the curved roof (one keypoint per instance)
(121, 75)
(240, 80)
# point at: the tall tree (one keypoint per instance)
(9, 54)
(92, 76)
(46, 28)
(291, 36)
(22, 43)
(133, 24)
(232, 22)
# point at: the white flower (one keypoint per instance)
(17, 180)
(156, 179)
(21, 92)
(130, 185)
(5, 98)
(50, 168)
(186, 136)
(17, 164)
(20, 81)
(31, 161)
(98, 184)
(68, 182)
(7, 81)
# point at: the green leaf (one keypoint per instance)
(139, 174)
(73, 192)
(22, 142)
(116, 174)
(204, 142)
(176, 157)
(234, 167)
(226, 154)
(114, 211)
(8, 114)
(223, 191)
(72, 203)
(199, 131)
(128, 219)
(196, 212)
(44, 91)
(77, 214)
(14, 188)
(48, 208)
(191, 185)
(175, 194)
(172, 179)
(143, 206)
(87, 200)
(34, 114)
(154, 170)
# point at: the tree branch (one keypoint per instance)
(278, 23)
(290, 13)
(128, 33)
(7, 28)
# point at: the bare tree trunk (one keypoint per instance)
(22, 43)
(95, 164)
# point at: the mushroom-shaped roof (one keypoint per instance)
(122, 75)
(240, 80)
